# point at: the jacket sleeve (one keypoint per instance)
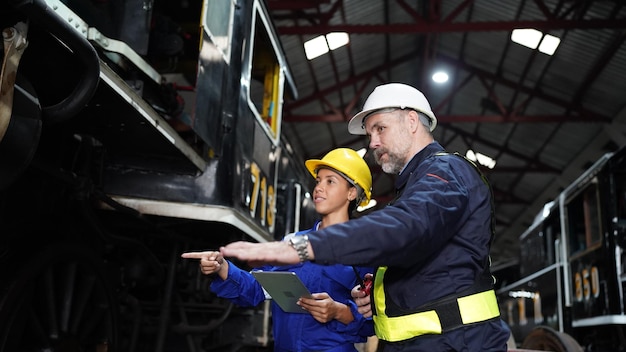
(240, 287)
(360, 326)
(430, 211)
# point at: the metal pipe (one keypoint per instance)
(39, 11)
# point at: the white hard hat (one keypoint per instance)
(392, 95)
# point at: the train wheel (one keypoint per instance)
(58, 301)
(544, 338)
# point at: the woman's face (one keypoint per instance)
(332, 192)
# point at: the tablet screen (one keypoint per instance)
(285, 287)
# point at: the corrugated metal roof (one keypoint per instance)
(544, 118)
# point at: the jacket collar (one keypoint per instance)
(417, 159)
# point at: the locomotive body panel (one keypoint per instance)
(139, 130)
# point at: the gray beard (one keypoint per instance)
(393, 165)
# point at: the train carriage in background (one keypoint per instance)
(569, 291)
(130, 132)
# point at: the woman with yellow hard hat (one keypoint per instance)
(343, 181)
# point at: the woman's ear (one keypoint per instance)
(352, 193)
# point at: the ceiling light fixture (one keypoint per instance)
(315, 47)
(528, 37)
(481, 159)
(320, 45)
(549, 44)
(337, 39)
(440, 77)
(532, 38)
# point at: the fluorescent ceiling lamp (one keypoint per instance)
(319, 46)
(337, 40)
(527, 37)
(549, 44)
(533, 38)
(440, 77)
(481, 159)
(315, 47)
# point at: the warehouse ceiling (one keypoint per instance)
(544, 119)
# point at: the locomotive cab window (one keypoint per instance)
(266, 78)
(218, 22)
(537, 247)
(583, 214)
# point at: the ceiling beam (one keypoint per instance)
(282, 5)
(442, 119)
(438, 27)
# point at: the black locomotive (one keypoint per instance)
(569, 291)
(132, 131)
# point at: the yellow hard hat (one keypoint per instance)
(349, 163)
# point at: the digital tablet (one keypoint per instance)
(285, 287)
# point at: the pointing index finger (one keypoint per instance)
(193, 255)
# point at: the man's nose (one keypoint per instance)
(374, 142)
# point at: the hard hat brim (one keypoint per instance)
(356, 124)
(315, 164)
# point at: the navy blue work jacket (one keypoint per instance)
(434, 238)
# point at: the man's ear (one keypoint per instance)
(413, 120)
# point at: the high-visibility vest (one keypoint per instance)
(446, 315)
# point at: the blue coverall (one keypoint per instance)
(301, 332)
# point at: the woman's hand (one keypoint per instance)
(324, 309)
(211, 262)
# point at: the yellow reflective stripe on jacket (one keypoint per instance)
(473, 308)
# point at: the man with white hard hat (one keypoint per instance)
(393, 95)
(433, 290)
